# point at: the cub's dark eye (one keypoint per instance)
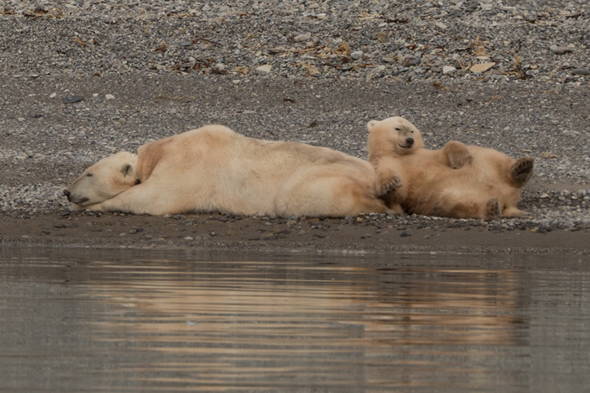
(397, 129)
(89, 175)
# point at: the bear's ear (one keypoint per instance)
(371, 124)
(126, 169)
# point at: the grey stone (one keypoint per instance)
(581, 71)
(356, 54)
(560, 50)
(448, 69)
(72, 99)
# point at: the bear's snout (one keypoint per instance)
(409, 141)
(74, 199)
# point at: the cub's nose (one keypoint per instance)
(409, 141)
(68, 195)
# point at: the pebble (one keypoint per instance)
(109, 97)
(72, 99)
(410, 61)
(302, 37)
(265, 69)
(219, 68)
(448, 69)
(356, 54)
(481, 67)
(581, 71)
(560, 50)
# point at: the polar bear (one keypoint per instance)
(216, 169)
(461, 181)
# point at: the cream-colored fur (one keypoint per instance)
(456, 181)
(216, 169)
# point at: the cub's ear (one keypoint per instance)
(371, 124)
(126, 169)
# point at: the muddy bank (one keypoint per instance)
(369, 234)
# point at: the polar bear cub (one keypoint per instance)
(458, 180)
(216, 169)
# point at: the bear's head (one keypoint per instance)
(104, 180)
(394, 135)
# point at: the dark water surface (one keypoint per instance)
(115, 321)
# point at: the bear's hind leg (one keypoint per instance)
(514, 212)
(521, 171)
(493, 210)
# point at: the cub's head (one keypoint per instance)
(394, 135)
(104, 180)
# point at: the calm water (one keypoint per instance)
(82, 321)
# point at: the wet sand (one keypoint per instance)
(363, 235)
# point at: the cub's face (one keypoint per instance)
(395, 134)
(104, 180)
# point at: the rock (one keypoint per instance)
(532, 17)
(391, 58)
(448, 69)
(72, 99)
(376, 72)
(265, 69)
(219, 68)
(410, 61)
(109, 97)
(481, 67)
(357, 54)
(302, 37)
(560, 50)
(581, 71)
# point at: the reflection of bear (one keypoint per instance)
(456, 181)
(214, 168)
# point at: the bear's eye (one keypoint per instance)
(89, 175)
(397, 129)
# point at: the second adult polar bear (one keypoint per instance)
(214, 168)
(457, 181)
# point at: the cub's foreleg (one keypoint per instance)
(390, 185)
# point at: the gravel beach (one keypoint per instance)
(83, 79)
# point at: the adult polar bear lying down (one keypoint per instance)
(216, 169)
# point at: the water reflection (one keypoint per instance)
(347, 326)
(295, 325)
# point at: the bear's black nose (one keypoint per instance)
(410, 141)
(67, 194)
